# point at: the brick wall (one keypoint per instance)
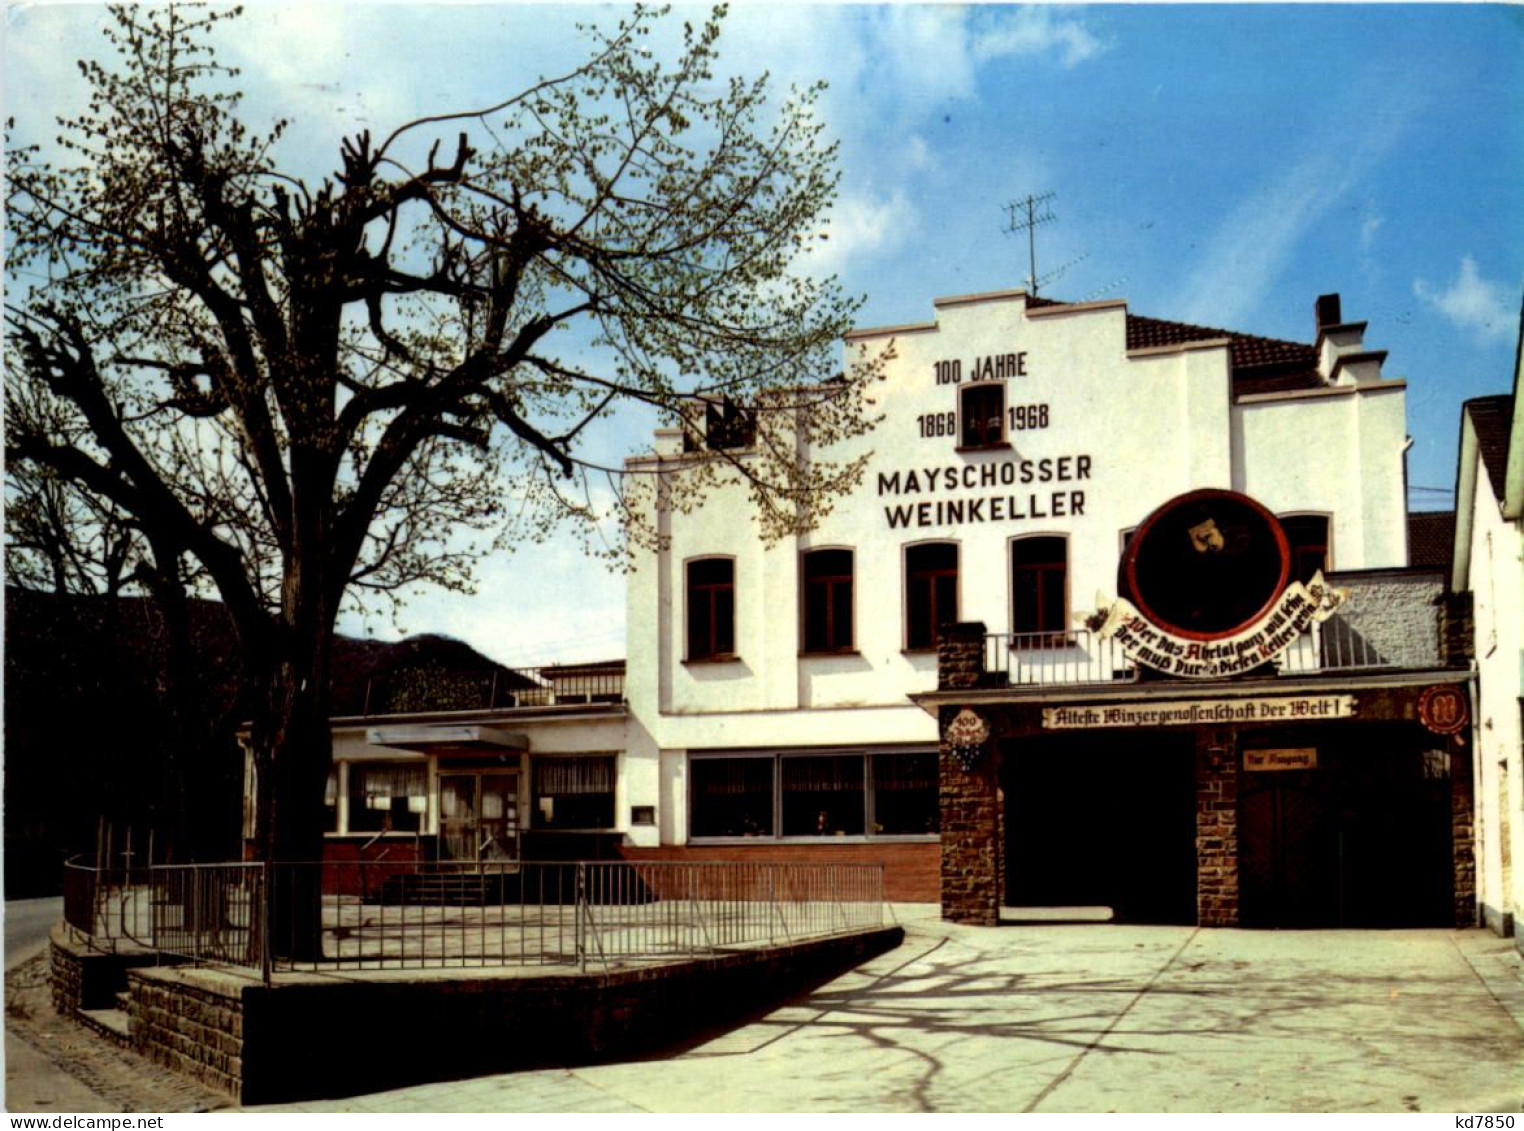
(1216, 829)
(194, 1029)
(81, 978)
(972, 847)
(911, 869)
(66, 978)
(960, 655)
(1457, 628)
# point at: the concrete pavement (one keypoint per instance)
(33, 1082)
(1087, 1018)
(27, 922)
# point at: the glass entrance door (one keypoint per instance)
(479, 816)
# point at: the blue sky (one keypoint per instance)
(1216, 164)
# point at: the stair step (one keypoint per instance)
(109, 1023)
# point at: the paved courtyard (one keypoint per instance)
(1087, 1018)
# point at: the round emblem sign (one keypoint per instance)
(1207, 565)
(1443, 709)
(967, 734)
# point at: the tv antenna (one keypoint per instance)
(1024, 216)
(1099, 291)
(1048, 276)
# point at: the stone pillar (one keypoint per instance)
(960, 655)
(1216, 828)
(972, 848)
(1462, 831)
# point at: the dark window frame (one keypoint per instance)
(928, 585)
(710, 609)
(978, 427)
(1306, 544)
(1039, 604)
(825, 590)
(728, 426)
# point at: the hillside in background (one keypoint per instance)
(86, 725)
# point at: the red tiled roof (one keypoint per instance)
(1260, 365)
(1492, 417)
(1431, 539)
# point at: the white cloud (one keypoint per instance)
(917, 154)
(1036, 31)
(860, 226)
(1368, 231)
(1471, 302)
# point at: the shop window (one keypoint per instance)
(905, 799)
(574, 793)
(711, 609)
(823, 795)
(982, 407)
(1039, 585)
(732, 797)
(1308, 537)
(931, 592)
(813, 795)
(828, 601)
(387, 797)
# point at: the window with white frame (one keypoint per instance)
(791, 795)
(931, 592)
(574, 792)
(1039, 584)
(982, 406)
(711, 609)
(387, 797)
(827, 601)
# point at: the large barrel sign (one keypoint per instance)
(1207, 565)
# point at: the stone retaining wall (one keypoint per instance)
(310, 1036)
(194, 1029)
(81, 978)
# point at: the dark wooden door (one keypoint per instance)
(1288, 852)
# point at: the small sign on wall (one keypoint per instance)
(1298, 758)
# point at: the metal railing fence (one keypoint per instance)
(370, 915)
(1041, 659)
(499, 688)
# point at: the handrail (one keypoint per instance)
(415, 915)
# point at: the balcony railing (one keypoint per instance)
(409, 691)
(1049, 659)
(1041, 659)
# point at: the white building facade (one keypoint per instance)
(1489, 565)
(786, 699)
(985, 670)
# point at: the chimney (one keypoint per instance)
(1328, 312)
(1342, 356)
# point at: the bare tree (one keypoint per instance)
(323, 393)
